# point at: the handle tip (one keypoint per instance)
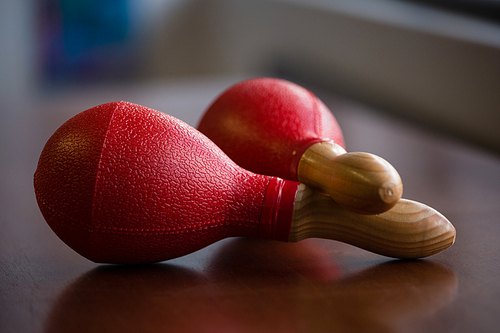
(361, 182)
(390, 192)
(373, 183)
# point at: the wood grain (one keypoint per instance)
(409, 230)
(361, 182)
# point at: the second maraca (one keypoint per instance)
(122, 183)
(274, 127)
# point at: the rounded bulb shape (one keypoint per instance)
(122, 183)
(265, 124)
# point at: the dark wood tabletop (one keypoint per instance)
(251, 285)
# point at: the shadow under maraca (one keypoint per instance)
(313, 295)
(253, 285)
(121, 299)
(273, 263)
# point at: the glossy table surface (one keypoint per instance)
(250, 285)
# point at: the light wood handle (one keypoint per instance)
(361, 182)
(409, 230)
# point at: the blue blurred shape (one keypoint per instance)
(85, 40)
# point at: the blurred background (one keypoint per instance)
(433, 61)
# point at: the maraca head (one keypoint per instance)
(294, 119)
(122, 183)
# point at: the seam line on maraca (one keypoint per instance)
(197, 227)
(317, 120)
(194, 228)
(98, 172)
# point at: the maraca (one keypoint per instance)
(277, 128)
(122, 183)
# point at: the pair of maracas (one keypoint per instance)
(122, 183)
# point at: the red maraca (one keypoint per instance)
(121, 183)
(274, 127)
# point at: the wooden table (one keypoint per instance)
(248, 285)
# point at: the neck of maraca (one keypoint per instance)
(303, 147)
(277, 210)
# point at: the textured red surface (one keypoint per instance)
(262, 123)
(122, 183)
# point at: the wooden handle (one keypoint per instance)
(409, 230)
(361, 182)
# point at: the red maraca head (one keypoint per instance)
(123, 183)
(294, 118)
